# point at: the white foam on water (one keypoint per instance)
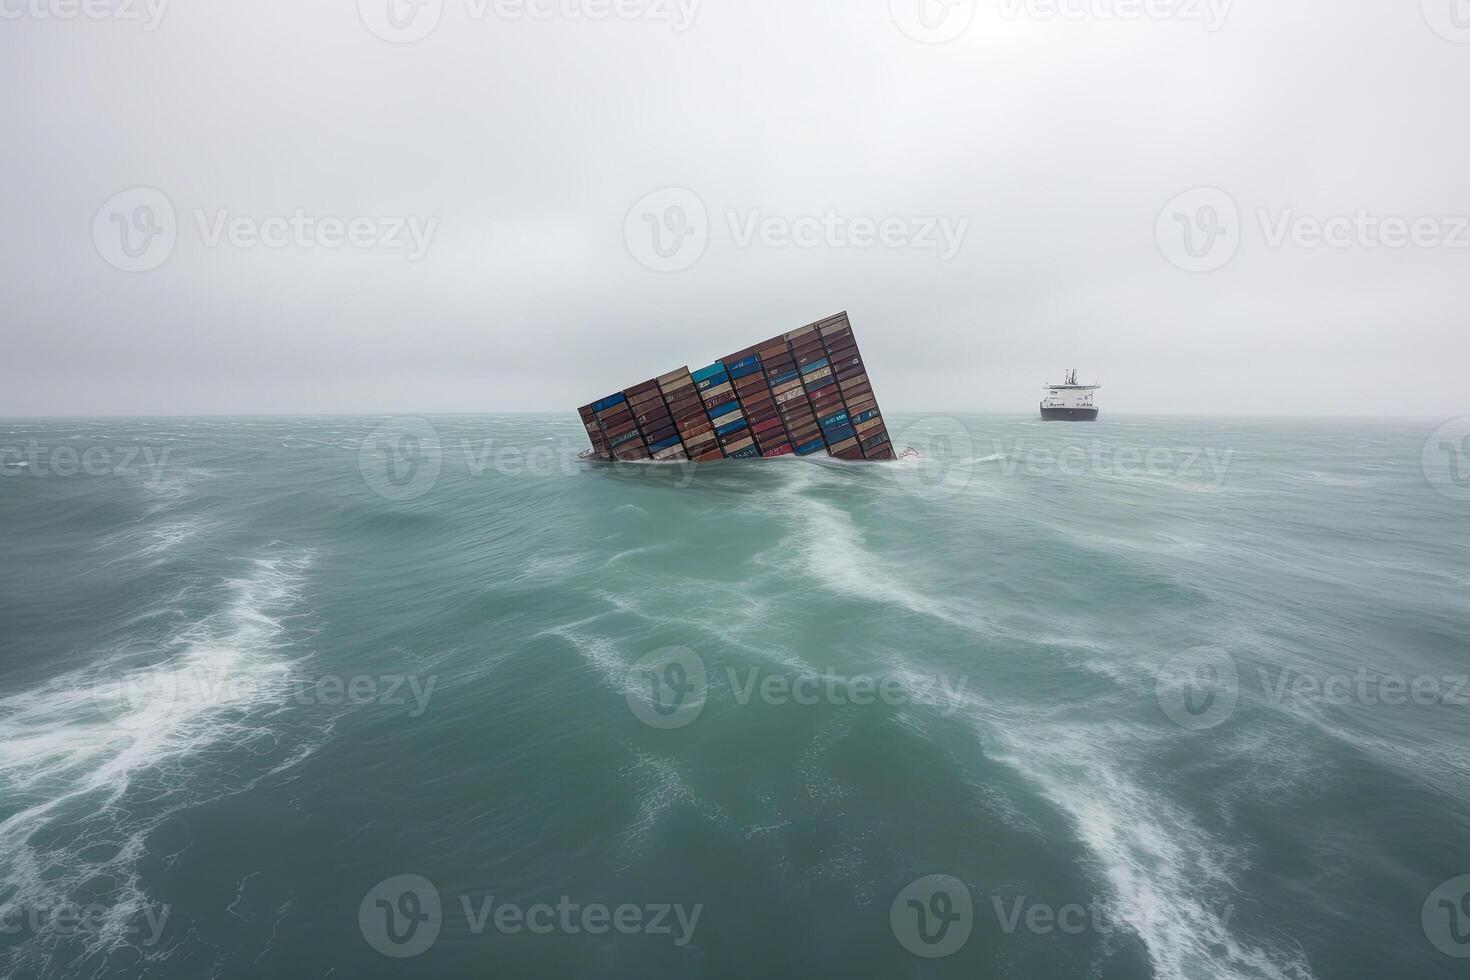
(601, 654)
(71, 749)
(643, 550)
(831, 551)
(662, 788)
(1171, 882)
(166, 537)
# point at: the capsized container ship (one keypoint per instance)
(803, 393)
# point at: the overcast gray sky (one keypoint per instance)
(537, 202)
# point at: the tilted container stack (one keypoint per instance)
(803, 392)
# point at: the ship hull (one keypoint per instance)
(1069, 414)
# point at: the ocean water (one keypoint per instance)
(1173, 698)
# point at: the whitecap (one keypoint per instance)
(72, 748)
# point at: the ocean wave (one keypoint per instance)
(830, 549)
(1170, 881)
(93, 761)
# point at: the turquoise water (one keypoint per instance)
(1169, 698)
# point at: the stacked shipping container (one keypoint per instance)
(804, 392)
(687, 410)
(862, 419)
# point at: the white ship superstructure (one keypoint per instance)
(1070, 401)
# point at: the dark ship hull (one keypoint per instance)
(1069, 414)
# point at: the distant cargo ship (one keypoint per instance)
(1070, 401)
(803, 393)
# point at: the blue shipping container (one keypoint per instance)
(832, 420)
(747, 366)
(839, 434)
(725, 430)
(726, 409)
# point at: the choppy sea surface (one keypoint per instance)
(1173, 698)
